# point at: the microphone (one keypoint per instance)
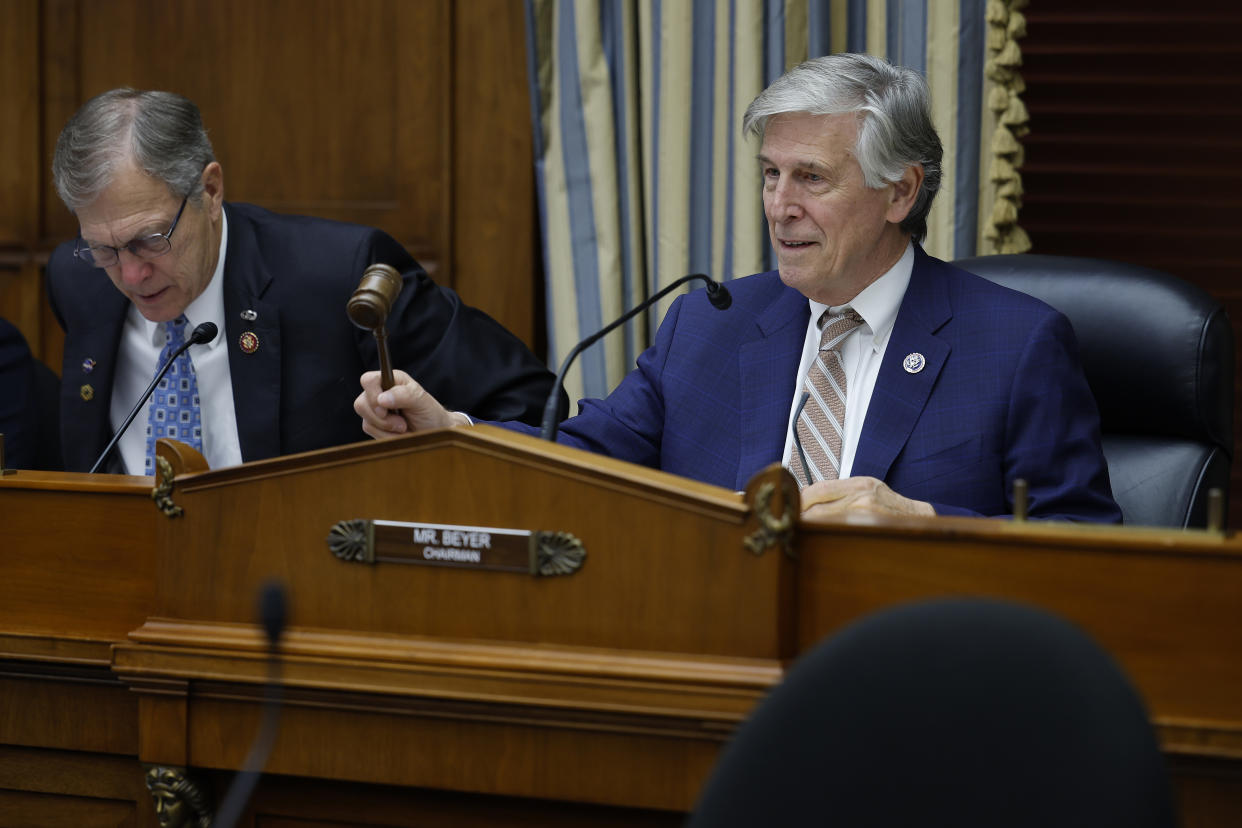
(717, 294)
(273, 611)
(201, 335)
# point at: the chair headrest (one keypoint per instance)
(962, 712)
(1157, 351)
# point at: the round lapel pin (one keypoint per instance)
(913, 363)
(249, 342)
(87, 392)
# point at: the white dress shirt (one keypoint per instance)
(862, 352)
(137, 361)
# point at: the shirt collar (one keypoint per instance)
(208, 306)
(879, 302)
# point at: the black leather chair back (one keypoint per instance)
(958, 713)
(1158, 354)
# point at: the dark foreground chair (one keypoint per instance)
(1158, 354)
(961, 713)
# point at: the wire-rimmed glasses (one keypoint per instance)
(147, 247)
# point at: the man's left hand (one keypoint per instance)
(833, 498)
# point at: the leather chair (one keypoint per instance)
(1158, 354)
(959, 713)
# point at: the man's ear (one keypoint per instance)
(213, 188)
(905, 191)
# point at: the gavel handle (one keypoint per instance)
(381, 340)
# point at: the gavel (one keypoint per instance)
(368, 309)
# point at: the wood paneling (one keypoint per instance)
(19, 108)
(407, 115)
(307, 101)
(492, 133)
(20, 173)
(284, 803)
(74, 790)
(510, 699)
(1135, 151)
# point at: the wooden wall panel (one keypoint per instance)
(19, 166)
(74, 790)
(1135, 151)
(306, 101)
(19, 108)
(494, 212)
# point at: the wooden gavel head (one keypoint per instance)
(369, 306)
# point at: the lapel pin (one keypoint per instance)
(88, 365)
(249, 342)
(249, 315)
(913, 363)
(87, 393)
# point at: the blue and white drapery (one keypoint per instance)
(644, 176)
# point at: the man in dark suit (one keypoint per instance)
(886, 380)
(158, 244)
(18, 410)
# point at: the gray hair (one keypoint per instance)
(893, 105)
(162, 132)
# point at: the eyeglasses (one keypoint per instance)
(148, 247)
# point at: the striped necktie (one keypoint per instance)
(820, 429)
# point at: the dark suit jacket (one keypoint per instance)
(18, 408)
(1001, 396)
(296, 392)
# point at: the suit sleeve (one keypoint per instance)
(629, 423)
(1052, 433)
(466, 359)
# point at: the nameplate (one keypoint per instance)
(457, 547)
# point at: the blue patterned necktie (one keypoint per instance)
(175, 411)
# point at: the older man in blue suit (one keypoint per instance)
(885, 379)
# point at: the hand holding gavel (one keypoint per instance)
(368, 308)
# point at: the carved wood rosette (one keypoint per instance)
(773, 497)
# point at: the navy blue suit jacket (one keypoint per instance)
(1002, 396)
(296, 392)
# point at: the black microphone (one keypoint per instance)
(201, 335)
(272, 614)
(717, 294)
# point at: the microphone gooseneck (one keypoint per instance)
(273, 609)
(717, 294)
(201, 335)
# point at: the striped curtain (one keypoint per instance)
(643, 174)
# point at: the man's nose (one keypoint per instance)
(782, 201)
(133, 268)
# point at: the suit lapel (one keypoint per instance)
(253, 343)
(900, 395)
(768, 368)
(89, 369)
